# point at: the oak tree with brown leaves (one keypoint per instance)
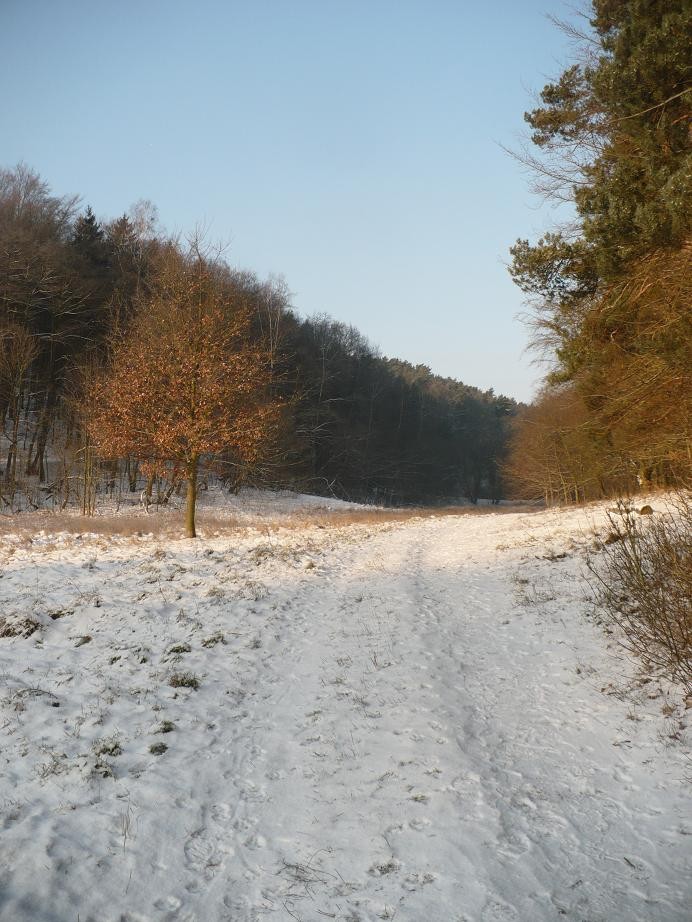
(185, 382)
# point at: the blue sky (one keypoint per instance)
(352, 147)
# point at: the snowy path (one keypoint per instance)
(388, 730)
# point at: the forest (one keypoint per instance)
(610, 288)
(345, 420)
(608, 293)
(292, 629)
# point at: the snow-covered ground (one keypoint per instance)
(411, 720)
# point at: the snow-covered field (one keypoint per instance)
(411, 720)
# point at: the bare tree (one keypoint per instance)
(18, 349)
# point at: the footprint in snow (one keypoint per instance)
(201, 854)
(185, 916)
(276, 775)
(241, 908)
(171, 903)
(498, 911)
(174, 911)
(243, 824)
(419, 825)
(514, 844)
(255, 841)
(416, 880)
(253, 792)
(221, 813)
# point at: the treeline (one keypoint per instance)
(611, 294)
(352, 423)
(383, 430)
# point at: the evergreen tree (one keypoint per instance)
(613, 132)
(88, 237)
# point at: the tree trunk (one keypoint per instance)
(89, 479)
(11, 472)
(132, 474)
(36, 465)
(191, 498)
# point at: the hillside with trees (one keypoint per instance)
(104, 324)
(291, 629)
(610, 293)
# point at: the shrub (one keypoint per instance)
(108, 747)
(184, 680)
(179, 648)
(643, 584)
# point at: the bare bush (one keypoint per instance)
(643, 584)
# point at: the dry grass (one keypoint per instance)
(28, 524)
(170, 524)
(376, 516)
(18, 626)
(184, 680)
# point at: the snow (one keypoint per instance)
(249, 505)
(400, 720)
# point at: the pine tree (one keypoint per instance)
(88, 239)
(613, 135)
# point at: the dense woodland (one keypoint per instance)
(611, 290)
(76, 290)
(609, 294)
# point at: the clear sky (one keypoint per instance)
(351, 146)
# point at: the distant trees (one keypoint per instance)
(38, 291)
(611, 296)
(554, 455)
(79, 294)
(18, 350)
(377, 429)
(184, 383)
